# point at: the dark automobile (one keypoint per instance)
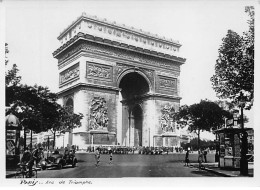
(54, 160)
(60, 160)
(70, 158)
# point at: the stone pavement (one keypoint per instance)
(213, 167)
(210, 167)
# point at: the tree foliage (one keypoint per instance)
(234, 69)
(37, 107)
(193, 144)
(204, 116)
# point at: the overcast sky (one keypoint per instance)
(32, 28)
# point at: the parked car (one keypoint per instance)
(70, 158)
(54, 160)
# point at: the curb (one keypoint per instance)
(219, 173)
(215, 172)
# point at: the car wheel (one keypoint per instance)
(74, 163)
(60, 166)
(44, 167)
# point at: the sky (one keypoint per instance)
(32, 28)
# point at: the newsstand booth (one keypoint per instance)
(12, 141)
(230, 143)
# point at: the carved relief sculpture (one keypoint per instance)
(99, 71)
(98, 114)
(167, 119)
(69, 74)
(169, 83)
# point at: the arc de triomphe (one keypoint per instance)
(124, 81)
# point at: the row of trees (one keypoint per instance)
(35, 106)
(204, 144)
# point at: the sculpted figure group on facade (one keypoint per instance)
(167, 119)
(98, 114)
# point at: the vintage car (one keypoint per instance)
(70, 158)
(59, 160)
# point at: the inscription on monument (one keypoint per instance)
(99, 71)
(69, 74)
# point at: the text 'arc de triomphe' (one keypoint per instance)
(124, 81)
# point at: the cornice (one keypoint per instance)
(113, 24)
(164, 96)
(84, 85)
(113, 34)
(81, 36)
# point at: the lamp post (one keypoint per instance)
(243, 159)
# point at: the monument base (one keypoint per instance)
(167, 140)
(94, 138)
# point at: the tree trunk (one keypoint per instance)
(198, 139)
(24, 142)
(31, 141)
(54, 137)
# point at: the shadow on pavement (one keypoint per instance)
(201, 172)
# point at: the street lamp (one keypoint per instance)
(243, 160)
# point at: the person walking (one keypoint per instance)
(187, 160)
(205, 155)
(200, 158)
(110, 155)
(97, 156)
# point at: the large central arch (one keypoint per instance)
(134, 88)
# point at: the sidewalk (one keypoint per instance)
(11, 173)
(213, 167)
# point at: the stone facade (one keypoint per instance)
(125, 82)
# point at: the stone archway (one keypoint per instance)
(70, 104)
(137, 116)
(134, 88)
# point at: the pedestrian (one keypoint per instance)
(200, 158)
(110, 155)
(205, 155)
(97, 156)
(28, 160)
(187, 160)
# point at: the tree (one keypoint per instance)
(66, 120)
(229, 106)
(193, 144)
(35, 106)
(204, 116)
(234, 69)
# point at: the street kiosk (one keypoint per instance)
(230, 144)
(12, 140)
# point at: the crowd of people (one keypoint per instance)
(136, 150)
